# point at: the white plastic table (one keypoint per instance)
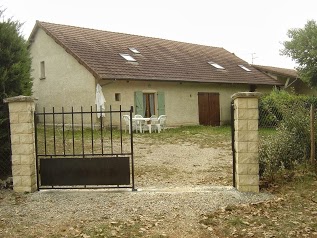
(143, 119)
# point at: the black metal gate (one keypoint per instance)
(84, 149)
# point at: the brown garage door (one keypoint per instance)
(209, 110)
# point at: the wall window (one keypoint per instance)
(42, 70)
(117, 97)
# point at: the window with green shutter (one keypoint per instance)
(138, 103)
(144, 103)
(160, 103)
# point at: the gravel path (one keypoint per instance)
(176, 186)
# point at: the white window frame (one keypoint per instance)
(127, 57)
(244, 68)
(134, 50)
(217, 66)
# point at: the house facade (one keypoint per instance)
(191, 84)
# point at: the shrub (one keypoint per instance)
(290, 144)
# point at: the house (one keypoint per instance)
(191, 84)
(289, 77)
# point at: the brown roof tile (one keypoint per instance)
(159, 59)
(279, 71)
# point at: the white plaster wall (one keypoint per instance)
(67, 82)
(181, 99)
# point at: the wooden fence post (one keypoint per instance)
(312, 134)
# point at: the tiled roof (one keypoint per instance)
(159, 59)
(278, 71)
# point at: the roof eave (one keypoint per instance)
(112, 77)
(276, 72)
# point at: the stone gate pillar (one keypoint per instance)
(246, 141)
(21, 109)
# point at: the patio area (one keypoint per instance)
(142, 124)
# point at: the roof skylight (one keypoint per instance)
(128, 57)
(245, 68)
(217, 66)
(134, 50)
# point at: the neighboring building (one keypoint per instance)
(289, 77)
(191, 84)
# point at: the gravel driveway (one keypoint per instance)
(177, 184)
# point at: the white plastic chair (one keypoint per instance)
(154, 121)
(126, 119)
(139, 124)
(153, 117)
(160, 125)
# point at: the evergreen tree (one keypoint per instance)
(15, 79)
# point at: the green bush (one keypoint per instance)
(290, 144)
(274, 107)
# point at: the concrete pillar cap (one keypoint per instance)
(246, 95)
(20, 98)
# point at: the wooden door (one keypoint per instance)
(209, 109)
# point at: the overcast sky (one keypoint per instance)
(252, 29)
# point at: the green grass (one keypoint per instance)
(202, 135)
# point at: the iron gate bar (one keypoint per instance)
(54, 131)
(111, 140)
(82, 131)
(132, 153)
(101, 129)
(233, 145)
(92, 132)
(36, 149)
(120, 118)
(80, 155)
(73, 130)
(86, 187)
(45, 145)
(63, 121)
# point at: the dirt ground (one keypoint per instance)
(181, 164)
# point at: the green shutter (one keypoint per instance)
(138, 102)
(161, 103)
